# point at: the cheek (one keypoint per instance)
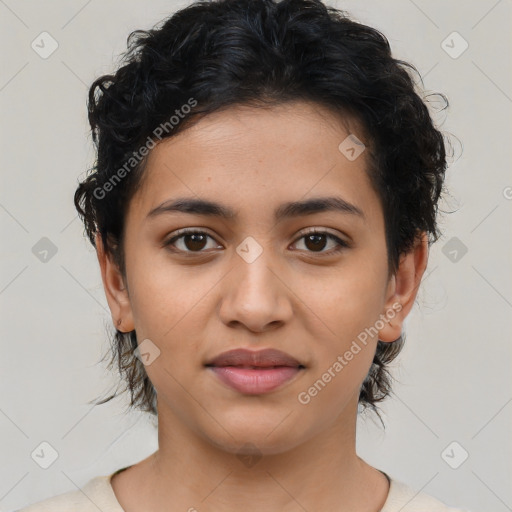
(345, 312)
(164, 300)
(172, 306)
(344, 356)
(350, 300)
(158, 289)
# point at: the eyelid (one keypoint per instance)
(339, 239)
(305, 231)
(323, 231)
(187, 231)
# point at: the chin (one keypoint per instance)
(254, 446)
(254, 434)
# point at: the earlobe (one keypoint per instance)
(115, 289)
(403, 288)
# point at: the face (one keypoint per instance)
(256, 280)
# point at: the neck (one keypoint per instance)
(322, 473)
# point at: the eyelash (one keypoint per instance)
(183, 232)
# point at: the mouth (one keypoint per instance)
(255, 372)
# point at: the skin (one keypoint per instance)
(309, 302)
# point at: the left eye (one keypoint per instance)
(196, 241)
(317, 240)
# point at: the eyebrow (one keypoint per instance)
(287, 210)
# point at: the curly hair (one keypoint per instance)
(215, 54)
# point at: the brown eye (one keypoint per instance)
(195, 241)
(190, 241)
(317, 241)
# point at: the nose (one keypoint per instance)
(256, 295)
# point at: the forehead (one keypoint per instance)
(293, 126)
(248, 157)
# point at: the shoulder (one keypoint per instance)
(404, 498)
(96, 494)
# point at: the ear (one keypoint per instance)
(115, 289)
(403, 288)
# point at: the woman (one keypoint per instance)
(262, 206)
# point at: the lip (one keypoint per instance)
(254, 372)
(260, 358)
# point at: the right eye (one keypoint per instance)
(191, 240)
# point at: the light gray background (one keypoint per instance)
(454, 374)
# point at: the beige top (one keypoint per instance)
(98, 494)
